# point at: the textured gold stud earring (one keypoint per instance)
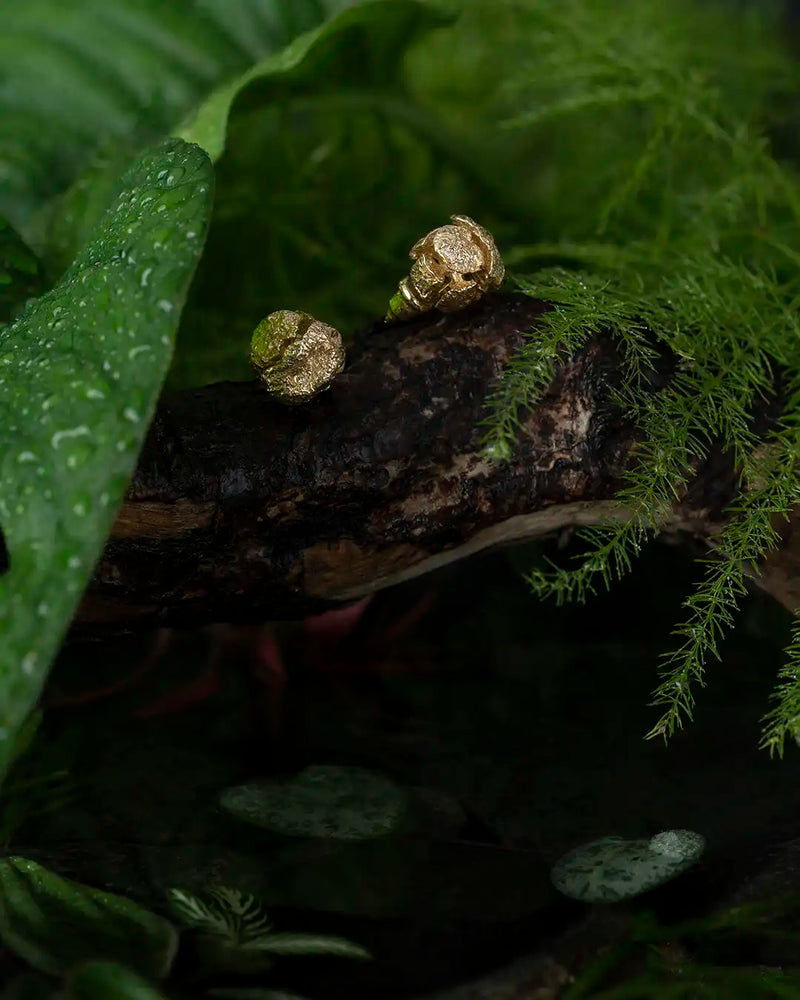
(295, 355)
(453, 267)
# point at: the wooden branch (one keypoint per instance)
(245, 510)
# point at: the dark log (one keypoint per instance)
(245, 510)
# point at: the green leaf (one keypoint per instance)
(383, 29)
(80, 372)
(344, 803)
(103, 980)
(55, 923)
(80, 73)
(292, 943)
(246, 910)
(20, 273)
(229, 913)
(200, 914)
(361, 46)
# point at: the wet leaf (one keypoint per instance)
(55, 923)
(293, 943)
(80, 372)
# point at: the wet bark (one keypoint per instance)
(245, 510)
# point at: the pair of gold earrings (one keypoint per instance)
(297, 356)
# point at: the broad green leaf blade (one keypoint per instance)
(56, 924)
(78, 73)
(104, 980)
(80, 372)
(343, 803)
(291, 943)
(366, 43)
(386, 27)
(20, 273)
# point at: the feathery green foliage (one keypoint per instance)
(672, 217)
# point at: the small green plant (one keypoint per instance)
(235, 933)
(96, 941)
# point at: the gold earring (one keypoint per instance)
(453, 267)
(295, 355)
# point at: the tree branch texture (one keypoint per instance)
(245, 510)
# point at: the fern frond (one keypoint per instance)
(784, 719)
(751, 534)
(611, 553)
(200, 914)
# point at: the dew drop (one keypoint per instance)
(73, 432)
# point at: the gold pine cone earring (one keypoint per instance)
(454, 266)
(296, 356)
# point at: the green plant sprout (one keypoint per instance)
(236, 934)
(96, 940)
